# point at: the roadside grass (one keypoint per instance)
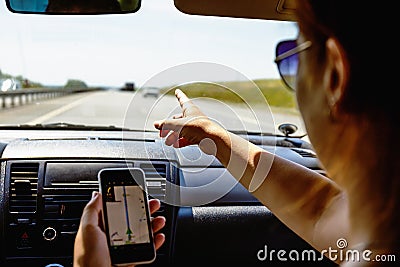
(252, 92)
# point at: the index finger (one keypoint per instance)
(182, 98)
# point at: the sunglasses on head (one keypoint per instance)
(287, 60)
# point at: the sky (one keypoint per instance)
(109, 50)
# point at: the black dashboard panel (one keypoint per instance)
(237, 235)
(42, 206)
(47, 178)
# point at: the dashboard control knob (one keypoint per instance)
(49, 234)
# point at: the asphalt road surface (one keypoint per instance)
(133, 110)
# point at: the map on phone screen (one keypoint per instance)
(127, 203)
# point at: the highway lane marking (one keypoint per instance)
(58, 111)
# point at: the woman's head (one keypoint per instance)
(345, 82)
(361, 37)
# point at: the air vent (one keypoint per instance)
(156, 177)
(23, 187)
(66, 205)
(305, 153)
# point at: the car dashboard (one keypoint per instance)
(47, 177)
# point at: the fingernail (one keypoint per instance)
(94, 194)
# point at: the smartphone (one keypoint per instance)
(126, 216)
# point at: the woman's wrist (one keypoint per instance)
(214, 137)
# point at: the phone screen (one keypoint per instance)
(127, 203)
(126, 216)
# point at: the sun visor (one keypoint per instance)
(254, 9)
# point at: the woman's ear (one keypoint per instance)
(337, 72)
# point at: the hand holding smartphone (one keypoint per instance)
(126, 216)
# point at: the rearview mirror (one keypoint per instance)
(73, 7)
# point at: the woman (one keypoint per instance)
(350, 126)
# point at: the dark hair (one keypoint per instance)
(84, 6)
(362, 34)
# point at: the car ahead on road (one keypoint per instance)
(150, 92)
(221, 54)
(129, 86)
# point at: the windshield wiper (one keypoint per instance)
(69, 126)
(284, 140)
(287, 129)
(244, 132)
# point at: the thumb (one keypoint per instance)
(169, 124)
(92, 210)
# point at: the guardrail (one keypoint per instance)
(26, 96)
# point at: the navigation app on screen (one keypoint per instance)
(126, 203)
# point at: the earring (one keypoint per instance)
(332, 109)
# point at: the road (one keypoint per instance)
(132, 110)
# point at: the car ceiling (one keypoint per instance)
(253, 9)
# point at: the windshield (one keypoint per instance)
(121, 70)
